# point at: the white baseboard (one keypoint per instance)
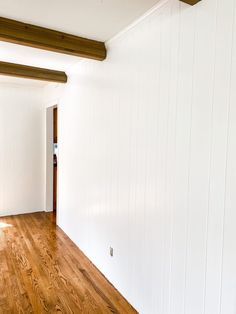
(13, 212)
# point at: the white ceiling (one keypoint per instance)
(95, 19)
(21, 81)
(35, 57)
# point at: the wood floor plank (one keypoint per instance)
(42, 271)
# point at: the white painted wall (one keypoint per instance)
(22, 140)
(147, 151)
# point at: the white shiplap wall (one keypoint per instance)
(147, 154)
(22, 150)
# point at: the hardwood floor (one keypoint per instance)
(42, 271)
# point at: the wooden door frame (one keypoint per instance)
(49, 158)
(55, 170)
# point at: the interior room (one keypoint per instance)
(117, 156)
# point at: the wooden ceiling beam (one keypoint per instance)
(191, 2)
(43, 38)
(24, 71)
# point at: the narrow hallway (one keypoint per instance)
(42, 271)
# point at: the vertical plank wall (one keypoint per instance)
(147, 160)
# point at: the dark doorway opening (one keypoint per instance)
(55, 159)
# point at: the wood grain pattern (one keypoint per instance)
(191, 2)
(42, 271)
(18, 70)
(43, 38)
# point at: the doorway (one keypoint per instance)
(55, 159)
(51, 159)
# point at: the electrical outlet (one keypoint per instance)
(111, 251)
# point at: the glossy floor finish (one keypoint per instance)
(42, 271)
